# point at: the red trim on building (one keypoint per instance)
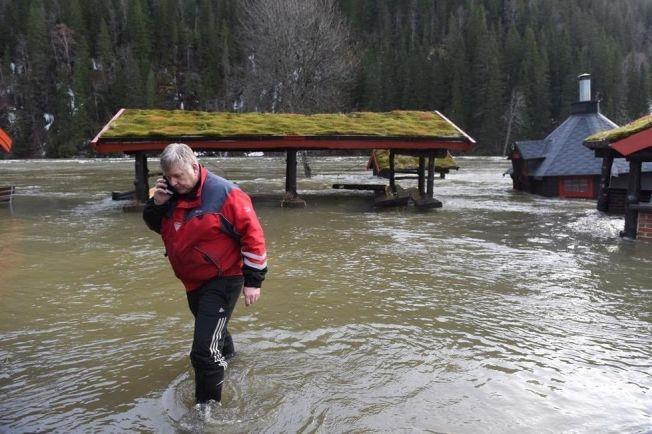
(278, 144)
(634, 143)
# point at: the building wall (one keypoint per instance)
(618, 199)
(644, 225)
(621, 181)
(519, 174)
(584, 187)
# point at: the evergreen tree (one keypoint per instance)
(512, 56)
(489, 107)
(34, 85)
(150, 90)
(535, 88)
(638, 103)
(459, 70)
(139, 39)
(105, 52)
(72, 16)
(563, 89)
(82, 91)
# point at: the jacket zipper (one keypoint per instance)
(209, 258)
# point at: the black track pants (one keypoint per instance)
(212, 305)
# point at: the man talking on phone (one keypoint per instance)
(216, 247)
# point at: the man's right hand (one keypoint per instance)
(161, 193)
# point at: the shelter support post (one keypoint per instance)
(422, 176)
(431, 176)
(392, 171)
(140, 182)
(291, 199)
(633, 193)
(605, 177)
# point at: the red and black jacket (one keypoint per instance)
(210, 232)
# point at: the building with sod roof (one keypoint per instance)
(632, 142)
(424, 135)
(559, 165)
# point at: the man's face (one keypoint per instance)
(183, 178)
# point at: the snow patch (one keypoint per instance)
(71, 94)
(49, 120)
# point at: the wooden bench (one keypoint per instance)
(6, 193)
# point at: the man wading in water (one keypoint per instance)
(216, 248)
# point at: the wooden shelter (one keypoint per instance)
(634, 143)
(425, 135)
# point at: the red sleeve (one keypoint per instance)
(239, 210)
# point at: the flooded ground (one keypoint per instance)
(501, 312)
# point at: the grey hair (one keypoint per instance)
(177, 154)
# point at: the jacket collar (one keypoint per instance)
(193, 199)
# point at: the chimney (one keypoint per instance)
(585, 105)
(585, 87)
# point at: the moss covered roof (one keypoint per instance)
(406, 162)
(623, 132)
(138, 124)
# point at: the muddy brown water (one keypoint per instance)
(501, 312)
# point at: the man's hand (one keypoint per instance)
(161, 194)
(251, 294)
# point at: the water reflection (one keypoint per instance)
(500, 312)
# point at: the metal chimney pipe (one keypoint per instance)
(585, 87)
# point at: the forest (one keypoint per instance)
(502, 70)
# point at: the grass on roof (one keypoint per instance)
(623, 132)
(404, 162)
(178, 123)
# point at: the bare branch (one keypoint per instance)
(299, 57)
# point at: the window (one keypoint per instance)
(576, 187)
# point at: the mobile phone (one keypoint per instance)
(170, 189)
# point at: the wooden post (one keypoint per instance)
(392, 179)
(422, 176)
(431, 176)
(633, 192)
(291, 174)
(291, 199)
(140, 182)
(605, 177)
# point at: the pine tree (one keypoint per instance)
(150, 90)
(638, 103)
(139, 39)
(105, 52)
(72, 16)
(489, 105)
(82, 90)
(535, 88)
(563, 89)
(459, 71)
(512, 56)
(34, 85)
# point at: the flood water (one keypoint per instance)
(500, 312)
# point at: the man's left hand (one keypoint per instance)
(251, 294)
